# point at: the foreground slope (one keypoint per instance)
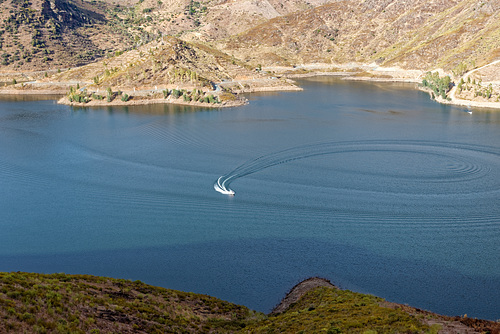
(87, 304)
(59, 303)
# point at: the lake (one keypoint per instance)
(371, 185)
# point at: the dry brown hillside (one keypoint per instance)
(208, 20)
(48, 35)
(413, 34)
(170, 62)
(54, 34)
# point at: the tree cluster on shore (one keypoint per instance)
(78, 95)
(467, 89)
(196, 95)
(440, 86)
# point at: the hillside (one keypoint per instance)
(410, 34)
(59, 303)
(170, 61)
(55, 34)
(152, 72)
(47, 35)
(210, 20)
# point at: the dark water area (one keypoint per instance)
(372, 186)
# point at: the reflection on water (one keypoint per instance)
(373, 186)
(151, 109)
(28, 98)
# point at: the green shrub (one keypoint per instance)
(176, 93)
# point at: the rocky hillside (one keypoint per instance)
(412, 34)
(55, 34)
(209, 20)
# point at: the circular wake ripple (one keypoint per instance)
(467, 168)
(412, 167)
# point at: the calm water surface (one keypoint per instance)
(370, 185)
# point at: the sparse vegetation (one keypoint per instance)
(460, 69)
(473, 90)
(97, 97)
(77, 95)
(109, 94)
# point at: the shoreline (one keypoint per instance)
(375, 79)
(460, 102)
(350, 72)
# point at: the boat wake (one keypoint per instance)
(445, 162)
(221, 187)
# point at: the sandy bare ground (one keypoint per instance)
(351, 71)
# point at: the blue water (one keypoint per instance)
(372, 186)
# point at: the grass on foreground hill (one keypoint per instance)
(331, 310)
(60, 303)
